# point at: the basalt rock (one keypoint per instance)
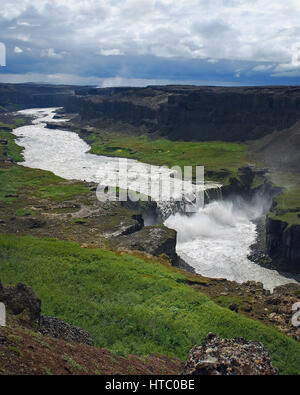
(190, 112)
(283, 244)
(229, 357)
(154, 240)
(21, 300)
(56, 328)
(34, 95)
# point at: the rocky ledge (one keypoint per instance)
(229, 357)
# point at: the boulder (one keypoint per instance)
(229, 357)
(21, 300)
(154, 240)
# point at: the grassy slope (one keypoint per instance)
(129, 304)
(215, 156)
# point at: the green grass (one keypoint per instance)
(33, 182)
(215, 156)
(287, 203)
(13, 150)
(128, 304)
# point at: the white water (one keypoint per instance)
(66, 154)
(215, 241)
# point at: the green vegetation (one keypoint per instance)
(219, 158)
(287, 203)
(129, 304)
(23, 212)
(31, 182)
(13, 151)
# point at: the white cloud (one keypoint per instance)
(111, 52)
(262, 68)
(50, 53)
(18, 50)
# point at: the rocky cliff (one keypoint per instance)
(283, 244)
(192, 113)
(20, 96)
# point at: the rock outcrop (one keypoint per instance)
(229, 357)
(21, 301)
(19, 96)
(56, 328)
(283, 244)
(154, 240)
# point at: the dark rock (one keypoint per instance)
(32, 223)
(21, 300)
(192, 113)
(12, 195)
(229, 357)
(234, 307)
(56, 328)
(154, 240)
(3, 141)
(283, 244)
(34, 95)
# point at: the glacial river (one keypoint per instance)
(215, 240)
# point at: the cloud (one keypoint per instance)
(18, 50)
(50, 53)
(107, 38)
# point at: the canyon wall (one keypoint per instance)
(21, 96)
(192, 113)
(283, 244)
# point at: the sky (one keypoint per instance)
(149, 42)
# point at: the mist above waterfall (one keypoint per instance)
(216, 240)
(217, 217)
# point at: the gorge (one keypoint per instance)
(215, 241)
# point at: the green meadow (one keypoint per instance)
(129, 304)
